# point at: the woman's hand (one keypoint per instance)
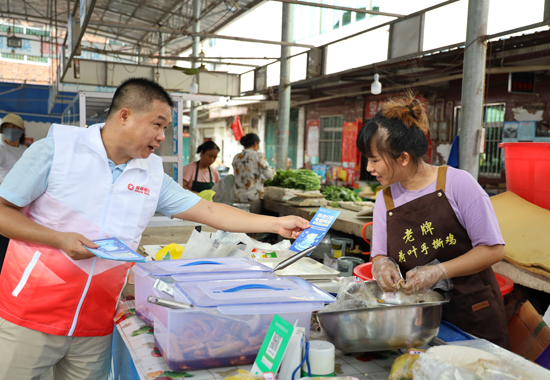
(424, 278)
(386, 273)
(290, 227)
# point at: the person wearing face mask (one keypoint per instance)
(200, 175)
(12, 145)
(432, 223)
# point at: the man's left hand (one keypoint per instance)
(291, 227)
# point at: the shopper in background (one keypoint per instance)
(432, 213)
(57, 299)
(12, 147)
(249, 167)
(200, 175)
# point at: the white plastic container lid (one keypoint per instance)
(253, 291)
(213, 268)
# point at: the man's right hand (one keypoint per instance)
(73, 245)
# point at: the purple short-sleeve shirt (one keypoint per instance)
(469, 201)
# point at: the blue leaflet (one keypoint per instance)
(320, 224)
(114, 249)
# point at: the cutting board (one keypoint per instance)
(525, 228)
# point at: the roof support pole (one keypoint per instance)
(193, 124)
(284, 89)
(473, 86)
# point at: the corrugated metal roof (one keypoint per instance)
(131, 20)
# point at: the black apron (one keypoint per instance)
(427, 228)
(200, 186)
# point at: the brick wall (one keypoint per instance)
(19, 72)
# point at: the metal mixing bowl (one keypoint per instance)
(402, 322)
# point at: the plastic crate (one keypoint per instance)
(229, 321)
(172, 271)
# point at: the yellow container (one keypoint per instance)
(171, 251)
(207, 194)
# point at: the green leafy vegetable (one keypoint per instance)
(335, 194)
(302, 179)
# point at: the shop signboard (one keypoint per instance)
(523, 83)
(28, 47)
(70, 36)
(372, 108)
(84, 7)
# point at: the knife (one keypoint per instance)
(293, 259)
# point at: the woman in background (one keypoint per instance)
(198, 176)
(249, 166)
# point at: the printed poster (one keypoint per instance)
(312, 147)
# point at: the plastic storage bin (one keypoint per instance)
(527, 171)
(172, 271)
(230, 319)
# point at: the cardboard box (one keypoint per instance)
(529, 334)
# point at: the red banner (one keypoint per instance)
(349, 139)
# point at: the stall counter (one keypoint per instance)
(347, 221)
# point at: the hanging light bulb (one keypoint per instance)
(194, 87)
(376, 86)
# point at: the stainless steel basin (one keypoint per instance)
(402, 322)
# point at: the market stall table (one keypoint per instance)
(347, 221)
(135, 356)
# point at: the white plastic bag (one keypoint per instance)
(217, 244)
(461, 363)
(353, 294)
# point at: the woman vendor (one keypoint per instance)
(432, 213)
(198, 176)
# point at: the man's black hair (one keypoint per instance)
(138, 94)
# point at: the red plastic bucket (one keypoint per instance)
(505, 284)
(527, 167)
(364, 271)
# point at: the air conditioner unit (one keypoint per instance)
(315, 63)
(15, 42)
